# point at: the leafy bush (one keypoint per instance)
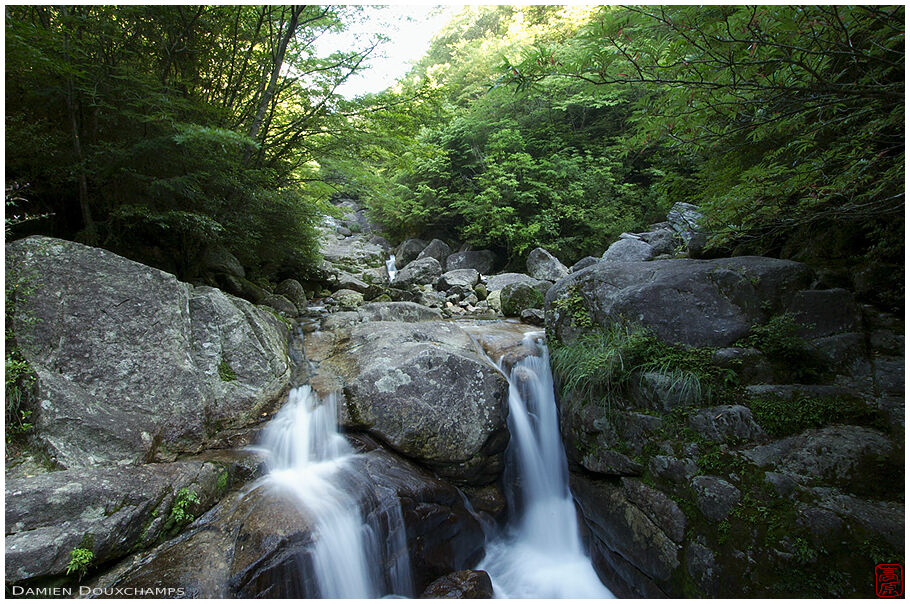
(781, 342)
(81, 560)
(180, 514)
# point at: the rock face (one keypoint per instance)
(544, 266)
(692, 302)
(757, 486)
(422, 389)
(481, 261)
(256, 542)
(133, 365)
(122, 509)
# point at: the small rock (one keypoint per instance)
(726, 422)
(532, 316)
(463, 584)
(348, 299)
(464, 277)
(293, 291)
(281, 304)
(675, 470)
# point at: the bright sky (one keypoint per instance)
(409, 29)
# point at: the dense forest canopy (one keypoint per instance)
(155, 130)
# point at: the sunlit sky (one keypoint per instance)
(409, 29)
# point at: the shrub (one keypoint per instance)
(180, 514)
(784, 417)
(81, 560)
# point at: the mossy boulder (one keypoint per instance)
(516, 297)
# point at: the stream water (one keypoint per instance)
(539, 553)
(390, 267)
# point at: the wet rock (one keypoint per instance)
(418, 272)
(619, 526)
(543, 265)
(611, 463)
(726, 423)
(482, 261)
(702, 567)
(532, 316)
(128, 358)
(494, 300)
(715, 497)
(882, 519)
(346, 280)
(397, 311)
(464, 584)
(662, 392)
(628, 250)
(436, 249)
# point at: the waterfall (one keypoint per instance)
(310, 460)
(539, 554)
(390, 267)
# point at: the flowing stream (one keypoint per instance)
(391, 268)
(539, 554)
(309, 459)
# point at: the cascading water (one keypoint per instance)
(310, 460)
(391, 268)
(539, 554)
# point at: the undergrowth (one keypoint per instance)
(784, 417)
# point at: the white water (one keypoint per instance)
(313, 462)
(540, 554)
(391, 268)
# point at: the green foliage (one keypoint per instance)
(779, 338)
(573, 303)
(81, 560)
(223, 479)
(184, 499)
(21, 380)
(603, 362)
(225, 372)
(783, 417)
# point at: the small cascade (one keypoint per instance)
(390, 267)
(353, 556)
(539, 554)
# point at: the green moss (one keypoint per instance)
(225, 372)
(783, 417)
(222, 480)
(574, 304)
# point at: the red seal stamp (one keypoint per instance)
(889, 580)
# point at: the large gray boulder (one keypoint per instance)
(421, 388)
(132, 365)
(217, 259)
(691, 302)
(418, 272)
(122, 508)
(545, 266)
(293, 291)
(520, 296)
(436, 249)
(465, 278)
(685, 219)
(482, 261)
(628, 250)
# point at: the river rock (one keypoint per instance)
(532, 316)
(464, 584)
(516, 297)
(543, 265)
(121, 508)
(131, 362)
(464, 277)
(282, 305)
(481, 261)
(418, 272)
(497, 282)
(436, 249)
(293, 291)
(726, 422)
(346, 280)
(691, 302)
(397, 311)
(408, 251)
(422, 389)
(628, 250)
(347, 299)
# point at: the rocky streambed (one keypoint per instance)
(779, 473)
